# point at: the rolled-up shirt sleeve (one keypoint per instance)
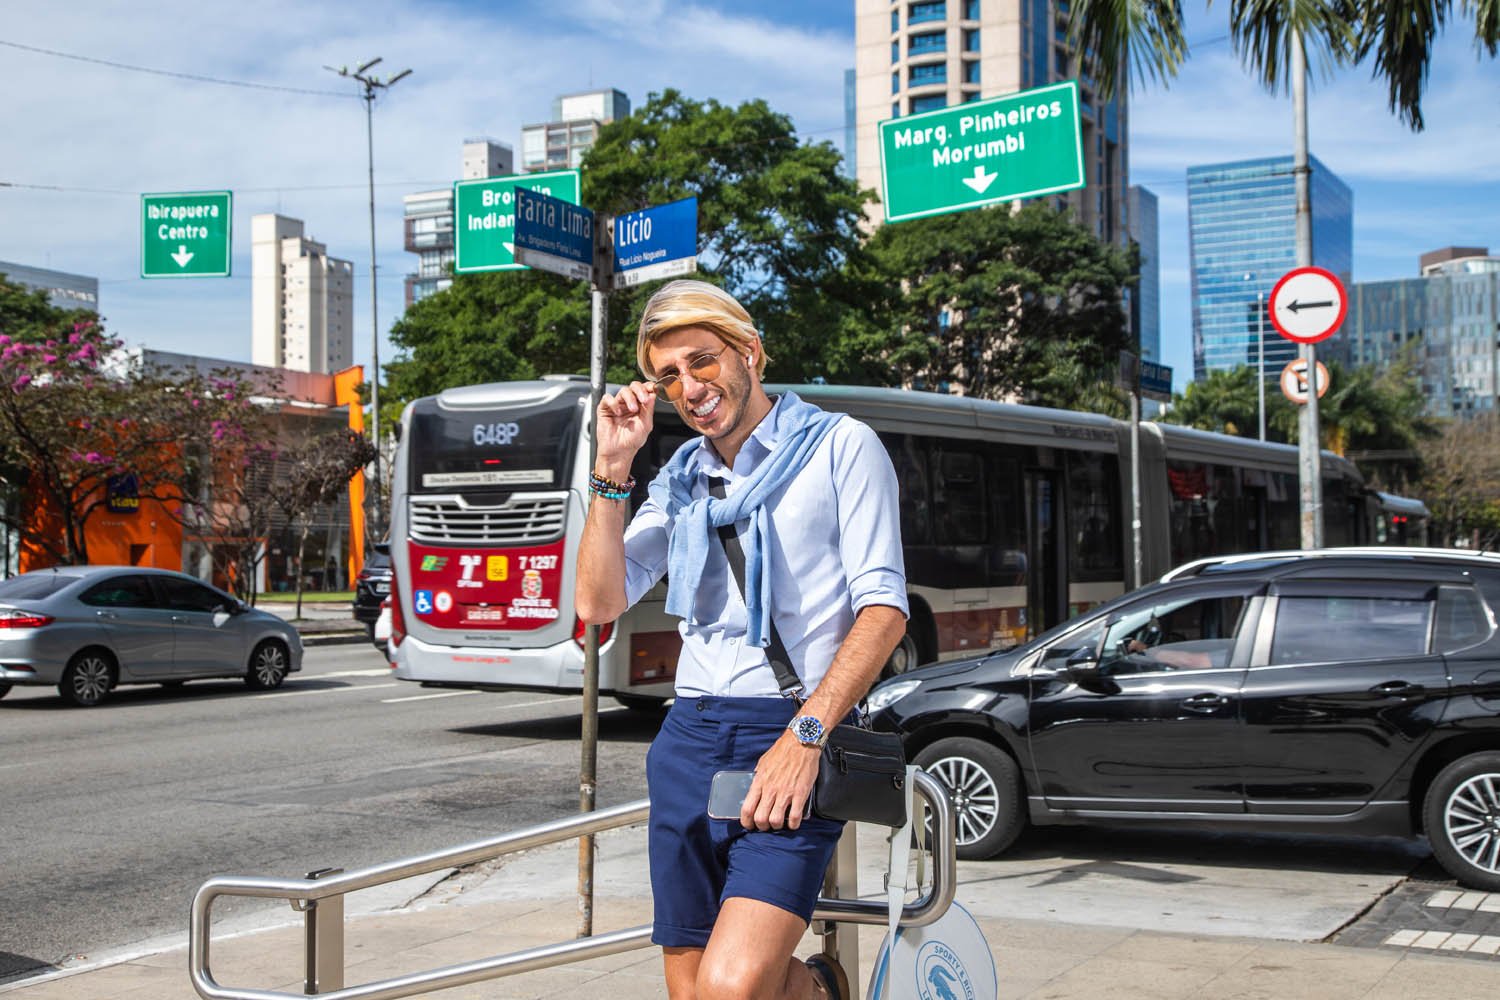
(869, 502)
(645, 550)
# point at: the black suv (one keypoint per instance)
(371, 586)
(1337, 691)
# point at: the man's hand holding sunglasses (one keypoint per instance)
(625, 421)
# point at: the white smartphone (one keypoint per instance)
(727, 793)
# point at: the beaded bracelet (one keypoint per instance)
(602, 486)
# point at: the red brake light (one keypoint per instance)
(398, 624)
(15, 618)
(607, 630)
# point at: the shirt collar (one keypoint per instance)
(762, 440)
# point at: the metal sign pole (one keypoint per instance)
(589, 737)
(1309, 452)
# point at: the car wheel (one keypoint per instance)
(88, 678)
(902, 658)
(644, 704)
(268, 666)
(1462, 817)
(986, 787)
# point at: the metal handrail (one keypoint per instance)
(309, 891)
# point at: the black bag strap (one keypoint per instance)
(781, 662)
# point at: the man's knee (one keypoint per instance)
(739, 977)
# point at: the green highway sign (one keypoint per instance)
(484, 217)
(1018, 146)
(185, 234)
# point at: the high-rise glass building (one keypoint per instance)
(1145, 298)
(920, 55)
(1242, 237)
(1446, 322)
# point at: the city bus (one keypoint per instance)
(1013, 518)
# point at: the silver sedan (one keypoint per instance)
(86, 629)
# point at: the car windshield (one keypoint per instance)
(33, 586)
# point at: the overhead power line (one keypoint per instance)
(175, 75)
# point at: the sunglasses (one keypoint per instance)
(703, 368)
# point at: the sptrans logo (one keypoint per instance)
(941, 974)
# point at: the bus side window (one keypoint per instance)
(910, 462)
(958, 497)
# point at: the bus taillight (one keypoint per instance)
(605, 631)
(398, 624)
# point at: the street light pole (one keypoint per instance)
(1260, 364)
(372, 85)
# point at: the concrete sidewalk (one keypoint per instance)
(530, 901)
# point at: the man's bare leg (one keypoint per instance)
(749, 956)
(681, 965)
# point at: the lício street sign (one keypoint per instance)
(1019, 146)
(657, 242)
(186, 234)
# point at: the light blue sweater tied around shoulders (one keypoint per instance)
(802, 426)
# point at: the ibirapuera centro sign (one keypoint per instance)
(1018, 146)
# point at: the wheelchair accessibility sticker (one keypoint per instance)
(422, 601)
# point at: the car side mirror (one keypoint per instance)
(1083, 666)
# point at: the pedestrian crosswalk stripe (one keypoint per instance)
(1473, 944)
(1450, 899)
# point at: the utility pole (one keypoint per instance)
(372, 85)
(1309, 452)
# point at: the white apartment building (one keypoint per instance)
(301, 299)
(429, 218)
(912, 56)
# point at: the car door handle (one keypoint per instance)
(1398, 689)
(106, 614)
(179, 618)
(1205, 703)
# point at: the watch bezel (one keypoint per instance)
(804, 723)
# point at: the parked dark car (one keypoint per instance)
(88, 629)
(1340, 691)
(371, 586)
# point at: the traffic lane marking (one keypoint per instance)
(423, 697)
(332, 690)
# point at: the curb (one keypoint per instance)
(333, 638)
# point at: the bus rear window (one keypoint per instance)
(524, 447)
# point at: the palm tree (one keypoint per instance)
(1226, 401)
(1136, 39)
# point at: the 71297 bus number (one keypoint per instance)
(537, 562)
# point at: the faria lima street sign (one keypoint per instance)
(1019, 146)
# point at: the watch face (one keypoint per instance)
(808, 729)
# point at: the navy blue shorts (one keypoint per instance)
(697, 862)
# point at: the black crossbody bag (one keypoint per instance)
(861, 773)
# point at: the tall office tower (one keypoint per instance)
(301, 299)
(920, 55)
(851, 123)
(1145, 298)
(429, 218)
(64, 290)
(1242, 237)
(576, 120)
(1444, 322)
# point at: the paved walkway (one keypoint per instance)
(530, 902)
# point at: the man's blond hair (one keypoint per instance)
(682, 304)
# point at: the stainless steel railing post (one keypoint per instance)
(323, 941)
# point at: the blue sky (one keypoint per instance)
(83, 140)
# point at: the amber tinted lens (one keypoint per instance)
(706, 368)
(670, 387)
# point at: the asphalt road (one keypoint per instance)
(112, 817)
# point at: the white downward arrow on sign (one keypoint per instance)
(183, 254)
(981, 181)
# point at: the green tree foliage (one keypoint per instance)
(1004, 304)
(1226, 402)
(26, 315)
(778, 226)
(1461, 483)
(1143, 39)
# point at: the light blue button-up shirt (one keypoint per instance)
(834, 547)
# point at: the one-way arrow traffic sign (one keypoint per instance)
(1308, 304)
